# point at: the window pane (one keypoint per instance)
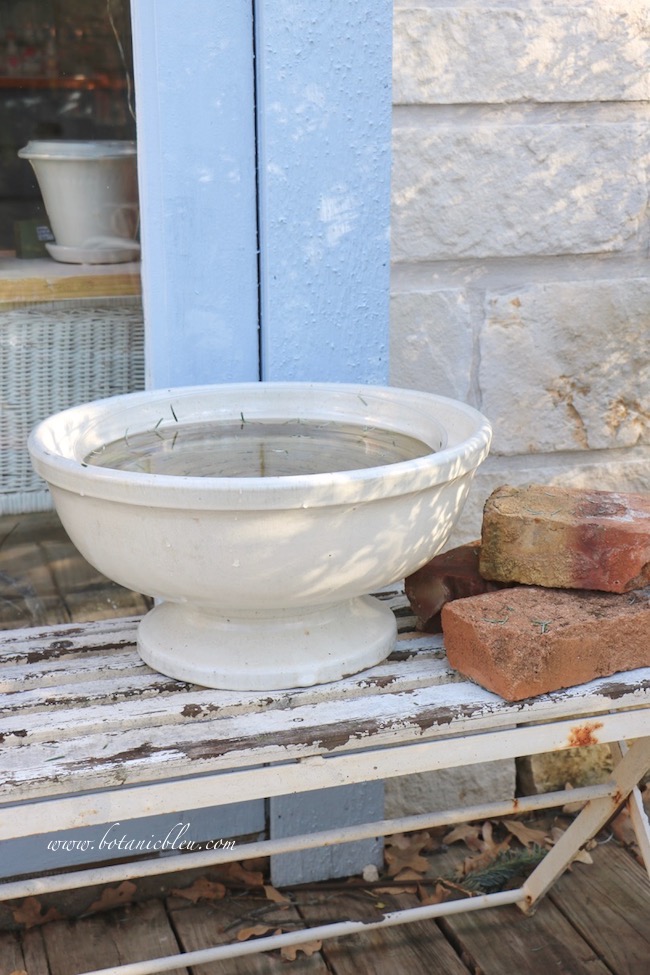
(70, 311)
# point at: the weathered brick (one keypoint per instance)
(527, 641)
(614, 470)
(566, 538)
(452, 575)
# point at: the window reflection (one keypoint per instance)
(65, 73)
(70, 330)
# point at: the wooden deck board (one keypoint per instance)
(594, 923)
(504, 940)
(45, 581)
(416, 949)
(581, 928)
(28, 592)
(610, 908)
(33, 946)
(86, 593)
(117, 937)
(207, 925)
(12, 958)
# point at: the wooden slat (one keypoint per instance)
(418, 708)
(384, 695)
(86, 593)
(36, 644)
(151, 728)
(110, 678)
(610, 907)
(217, 923)
(58, 771)
(504, 940)
(46, 280)
(128, 935)
(121, 676)
(67, 654)
(36, 962)
(71, 671)
(28, 592)
(11, 954)
(417, 949)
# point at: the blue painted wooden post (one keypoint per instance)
(194, 83)
(324, 131)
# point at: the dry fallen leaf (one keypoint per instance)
(256, 865)
(470, 835)
(255, 931)
(29, 913)
(251, 878)
(434, 897)
(407, 889)
(18, 971)
(290, 952)
(407, 874)
(526, 836)
(274, 895)
(201, 889)
(114, 896)
(404, 853)
(487, 835)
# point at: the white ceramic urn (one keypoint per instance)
(262, 581)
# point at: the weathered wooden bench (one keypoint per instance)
(90, 735)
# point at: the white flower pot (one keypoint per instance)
(91, 196)
(263, 579)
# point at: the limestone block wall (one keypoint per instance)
(521, 231)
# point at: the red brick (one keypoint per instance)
(452, 575)
(526, 641)
(567, 538)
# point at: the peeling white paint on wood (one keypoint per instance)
(162, 746)
(82, 712)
